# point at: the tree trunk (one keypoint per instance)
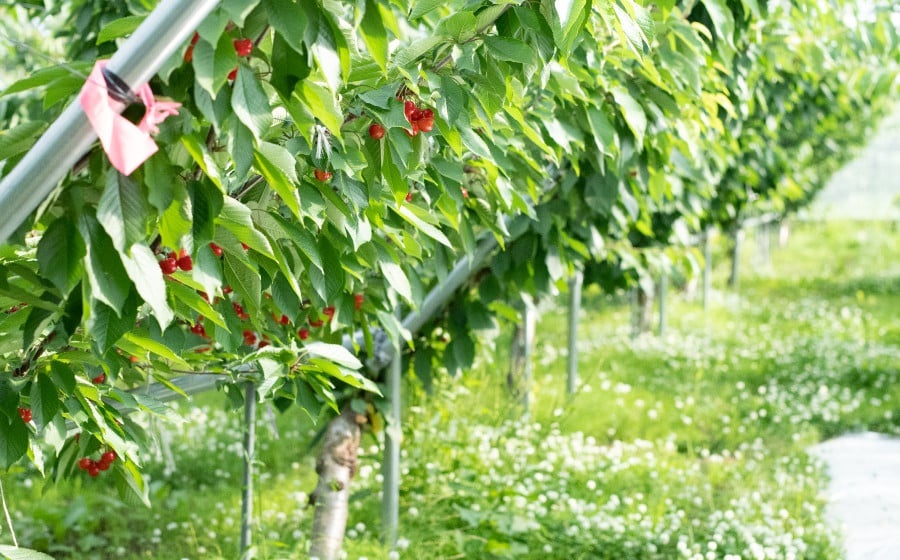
(518, 379)
(641, 312)
(737, 235)
(336, 466)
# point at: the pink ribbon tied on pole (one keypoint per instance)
(126, 145)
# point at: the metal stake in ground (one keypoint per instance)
(707, 268)
(249, 458)
(575, 283)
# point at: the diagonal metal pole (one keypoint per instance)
(164, 31)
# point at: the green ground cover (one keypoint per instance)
(686, 446)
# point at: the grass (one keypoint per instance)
(690, 445)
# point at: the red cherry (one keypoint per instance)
(109, 456)
(427, 114)
(426, 124)
(414, 131)
(195, 38)
(94, 470)
(232, 75)
(465, 192)
(358, 301)
(217, 251)
(102, 465)
(25, 414)
(322, 175)
(186, 263)
(203, 349)
(329, 312)
(408, 108)
(85, 463)
(189, 53)
(285, 320)
(168, 265)
(227, 290)
(303, 333)
(133, 359)
(376, 131)
(264, 343)
(316, 323)
(199, 330)
(249, 338)
(409, 196)
(99, 379)
(244, 246)
(416, 115)
(243, 47)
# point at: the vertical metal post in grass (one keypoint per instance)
(530, 320)
(390, 500)
(662, 289)
(575, 283)
(249, 457)
(707, 267)
(635, 313)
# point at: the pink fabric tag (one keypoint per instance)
(126, 145)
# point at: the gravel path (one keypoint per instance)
(864, 493)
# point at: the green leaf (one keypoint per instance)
(245, 282)
(46, 76)
(122, 211)
(196, 302)
(513, 50)
(212, 64)
(277, 165)
(119, 28)
(143, 269)
(44, 399)
(321, 103)
(374, 34)
(602, 130)
(289, 20)
(422, 226)
(176, 223)
(13, 441)
(236, 218)
(396, 278)
(20, 138)
(238, 10)
(723, 20)
(155, 347)
(13, 553)
(422, 7)
(107, 277)
(105, 324)
(633, 113)
(334, 353)
(459, 26)
(60, 253)
(250, 103)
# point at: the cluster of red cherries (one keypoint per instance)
(93, 468)
(242, 47)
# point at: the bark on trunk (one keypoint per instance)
(642, 312)
(336, 466)
(737, 237)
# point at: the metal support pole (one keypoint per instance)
(164, 31)
(530, 320)
(663, 288)
(249, 458)
(390, 500)
(707, 268)
(575, 283)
